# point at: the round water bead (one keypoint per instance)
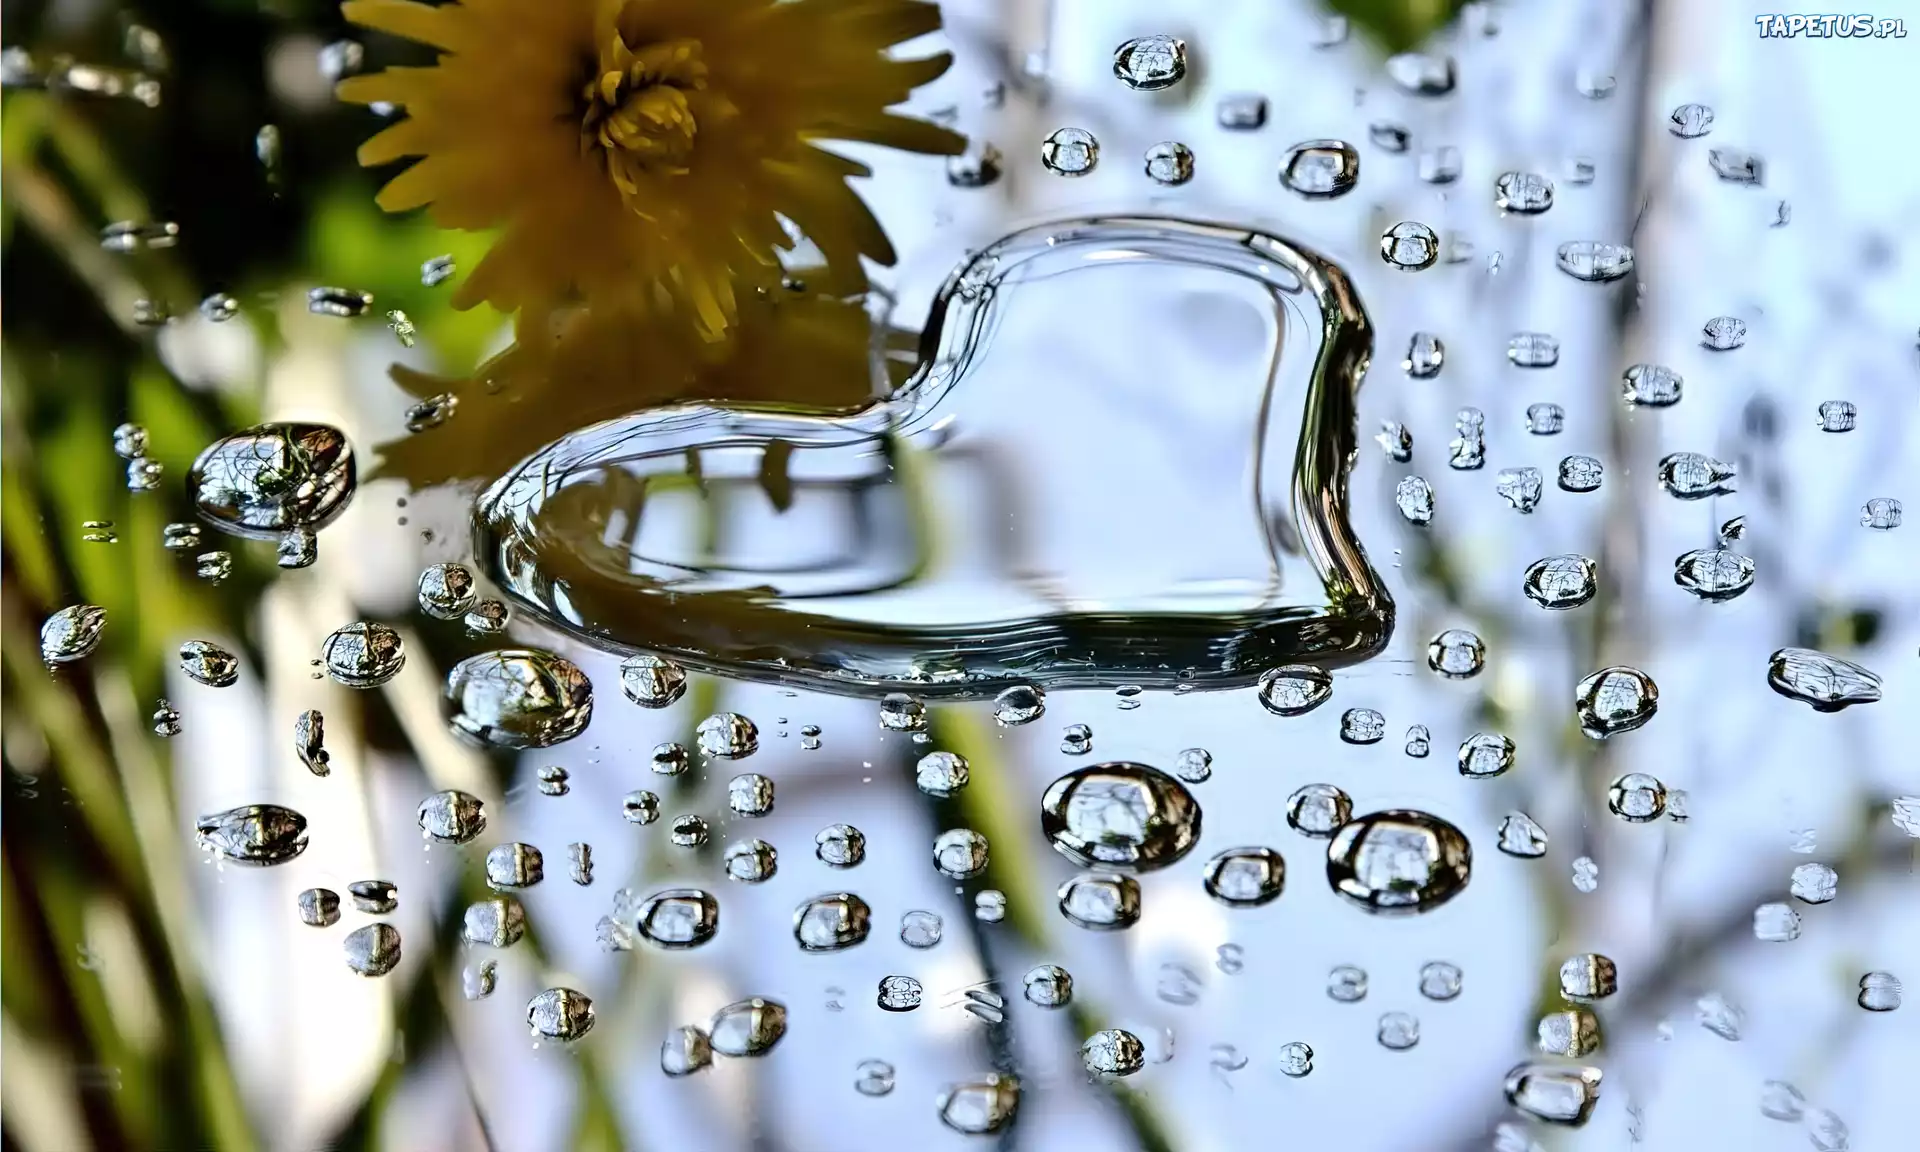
(686, 1050)
(1346, 984)
(1049, 986)
(1419, 741)
(452, 817)
(899, 994)
(552, 780)
(1521, 836)
(1193, 765)
(258, 834)
(1724, 333)
(652, 681)
(130, 441)
(1586, 874)
(1362, 726)
(1713, 574)
(1245, 877)
(831, 922)
(487, 618)
(376, 896)
(363, 655)
(1588, 976)
(1615, 700)
(1294, 689)
(1637, 798)
(1838, 415)
(687, 831)
(960, 853)
(1399, 861)
(497, 922)
(941, 773)
(1076, 740)
(1169, 162)
(1580, 474)
(1070, 152)
(1546, 419)
(519, 698)
(900, 712)
(1689, 121)
(728, 736)
(514, 865)
(873, 1078)
(1814, 883)
(1532, 350)
(1120, 814)
(1776, 923)
(1456, 654)
(209, 664)
(1318, 810)
(1414, 497)
(1320, 169)
(980, 165)
(747, 1028)
(1651, 386)
(751, 861)
(144, 474)
(73, 633)
(1420, 74)
(1296, 1058)
(1410, 246)
(1572, 1033)
(319, 907)
(1593, 261)
(1018, 705)
(840, 846)
(1824, 683)
(640, 807)
(750, 794)
(1520, 487)
(373, 950)
(1522, 193)
(920, 929)
(1484, 755)
(1558, 583)
(1150, 63)
(560, 1014)
(1554, 1094)
(982, 1106)
(1693, 476)
(1879, 992)
(1113, 1052)
(1440, 980)
(1882, 513)
(1389, 137)
(268, 479)
(1101, 901)
(990, 906)
(1426, 355)
(668, 759)
(1398, 1031)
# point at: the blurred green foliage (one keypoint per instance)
(1397, 25)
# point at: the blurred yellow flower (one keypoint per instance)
(640, 154)
(791, 350)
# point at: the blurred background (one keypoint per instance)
(153, 999)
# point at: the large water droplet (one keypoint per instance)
(1588, 976)
(1399, 861)
(373, 950)
(1558, 583)
(686, 1050)
(260, 834)
(452, 817)
(72, 633)
(1615, 700)
(319, 907)
(514, 865)
(1120, 814)
(1826, 683)
(652, 681)
(269, 479)
(496, 922)
(831, 922)
(1320, 169)
(1150, 63)
(519, 698)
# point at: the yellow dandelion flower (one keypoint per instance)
(789, 350)
(640, 153)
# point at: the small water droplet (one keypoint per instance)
(1879, 992)
(452, 817)
(960, 853)
(1881, 513)
(1580, 474)
(1456, 654)
(1425, 356)
(373, 950)
(919, 929)
(1593, 83)
(344, 303)
(1651, 386)
(1719, 1016)
(209, 664)
(750, 794)
(1398, 861)
(487, 618)
(1193, 765)
(180, 537)
(1150, 63)
(1588, 976)
(144, 474)
(1586, 875)
(560, 1014)
(1410, 246)
(1321, 169)
(873, 1078)
(686, 1050)
(1737, 167)
(1440, 980)
(1113, 1052)
(831, 922)
(990, 906)
(1554, 1094)
(981, 1106)
(363, 655)
(1826, 683)
(446, 591)
(1690, 121)
(1018, 705)
(1076, 740)
(1120, 814)
(319, 907)
(1070, 152)
(1169, 162)
(519, 698)
(1398, 1031)
(1532, 350)
(1241, 112)
(213, 567)
(1049, 986)
(1395, 440)
(376, 896)
(514, 865)
(1485, 755)
(1101, 901)
(1593, 261)
(899, 994)
(1615, 700)
(1245, 877)
(1723, 333)
(1780, 1100)
(1814, 883)
(1420, 74)
(1558, 583)
(687, 831)
(1294, 689)
(1522, 193)
(1521, 836)
(1546, 419)
(1713, 573)
(1467, 451)
(264, 481)
(72, 633)
(165, 719)
(1838, 416)
(840, 846)
(435, 410)
(1346, 984)
(1776, 923)
(1521, 487)
(1362, 726)
(1296, 1058)
(496, 922)
(1414, 497)
(1419, 741)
